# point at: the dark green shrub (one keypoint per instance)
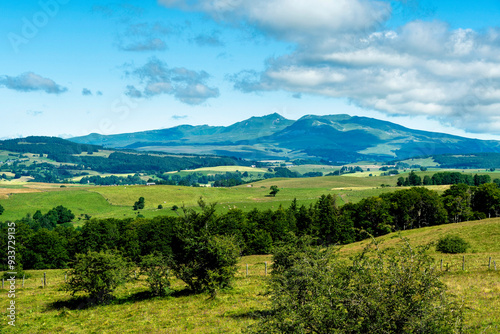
(208, 264)
(98, 274)
(452, 244)
(396, 291)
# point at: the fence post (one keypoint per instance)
(463, 263)
(44, 280)
(265, 264)
(247, 270)
(2, 282)
(441, 264)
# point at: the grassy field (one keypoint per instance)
(50, 310)
(424, 162)
(223, 169)
(21, 198)
(117, 201)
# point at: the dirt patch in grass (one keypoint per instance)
(6, 192)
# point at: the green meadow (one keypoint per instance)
(117, 201)
(51, 310)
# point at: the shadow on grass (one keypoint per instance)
(85, 302)
(254, 314)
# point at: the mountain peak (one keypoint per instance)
(332, 118)
(338, 137)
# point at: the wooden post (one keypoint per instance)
(265, 265)
(463, 263)
(2, 283)
(247, 269)
(441, 264)
(44, 280)
(489, 263)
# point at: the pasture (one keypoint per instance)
(50, 310)
(21, 198)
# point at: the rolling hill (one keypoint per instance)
(336, 138)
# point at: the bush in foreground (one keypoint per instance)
(206, 262)
(156, 267)
(452, 244)
(98, 274)
(396, 291)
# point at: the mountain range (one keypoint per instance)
(337, 138)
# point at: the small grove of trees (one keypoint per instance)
(347, 170)
(53, 218)
(443, 178)
(112, 180)
(313, 291)
(186, 247)
(139, 204)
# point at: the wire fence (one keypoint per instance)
(449, 263)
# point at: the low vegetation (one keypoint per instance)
(393, 291)
(49, 309)
(452, 244)
(98, 274)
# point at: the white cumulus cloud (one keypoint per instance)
(344, 49)
(157, 78)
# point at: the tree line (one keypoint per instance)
(50, 242)
(444, 178)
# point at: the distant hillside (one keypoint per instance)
(50, 159)
(254, 127)
(46, 145)
(336, 138)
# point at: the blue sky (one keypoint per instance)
(71, 67)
